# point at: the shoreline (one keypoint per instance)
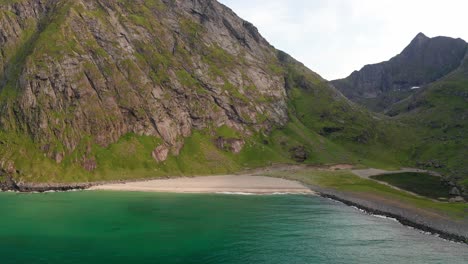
(400, 218)
(414, 217)
(212, 184)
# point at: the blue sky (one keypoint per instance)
(335, 37)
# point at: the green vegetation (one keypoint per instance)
(435, 116)
(191, 29)
(345, 181)
(15, 58)
(438, 115)
(419, 183)
(227, 132)
(371, 140)
(130, 157)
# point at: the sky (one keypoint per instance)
(336, 37)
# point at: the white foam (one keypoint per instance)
(290, 193)
(237, 193)
(359, 209)
(274, 193)
(375, 215)
(385, 217)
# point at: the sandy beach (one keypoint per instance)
(212, 184)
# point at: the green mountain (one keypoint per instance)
(440, 112)
(426, 88)
(423, 61)
(96, 90)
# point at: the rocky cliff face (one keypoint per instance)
(94, 90)
(74, 73)
(423, 61)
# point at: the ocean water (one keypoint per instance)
(119, 227)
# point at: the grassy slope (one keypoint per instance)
(368, 139)
(347, 182)
(439, 114)
(130, 157)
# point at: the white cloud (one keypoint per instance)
(335, 37)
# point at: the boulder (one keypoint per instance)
(161, 153)
(455, 192)
(233, 145)
(457, 199)
(299, 153)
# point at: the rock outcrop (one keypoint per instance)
(234, 145)
(74, 73)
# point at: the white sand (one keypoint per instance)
(212, 184)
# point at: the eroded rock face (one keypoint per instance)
(7, 171)
(161, 153)
(7, 167)
(233, 145)
(101, 69)
(89, 164)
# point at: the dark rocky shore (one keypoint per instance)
(7, 183)
(443, 227)
(27, 188)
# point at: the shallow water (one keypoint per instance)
(119, 227)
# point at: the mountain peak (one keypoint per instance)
(419, 40)
(421, 35)
(423, 61)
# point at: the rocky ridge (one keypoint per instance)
(423, 61)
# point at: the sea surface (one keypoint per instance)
(120, 227)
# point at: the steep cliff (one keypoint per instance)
(95, 70)
(423, 61)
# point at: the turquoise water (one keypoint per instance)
(114, 227)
